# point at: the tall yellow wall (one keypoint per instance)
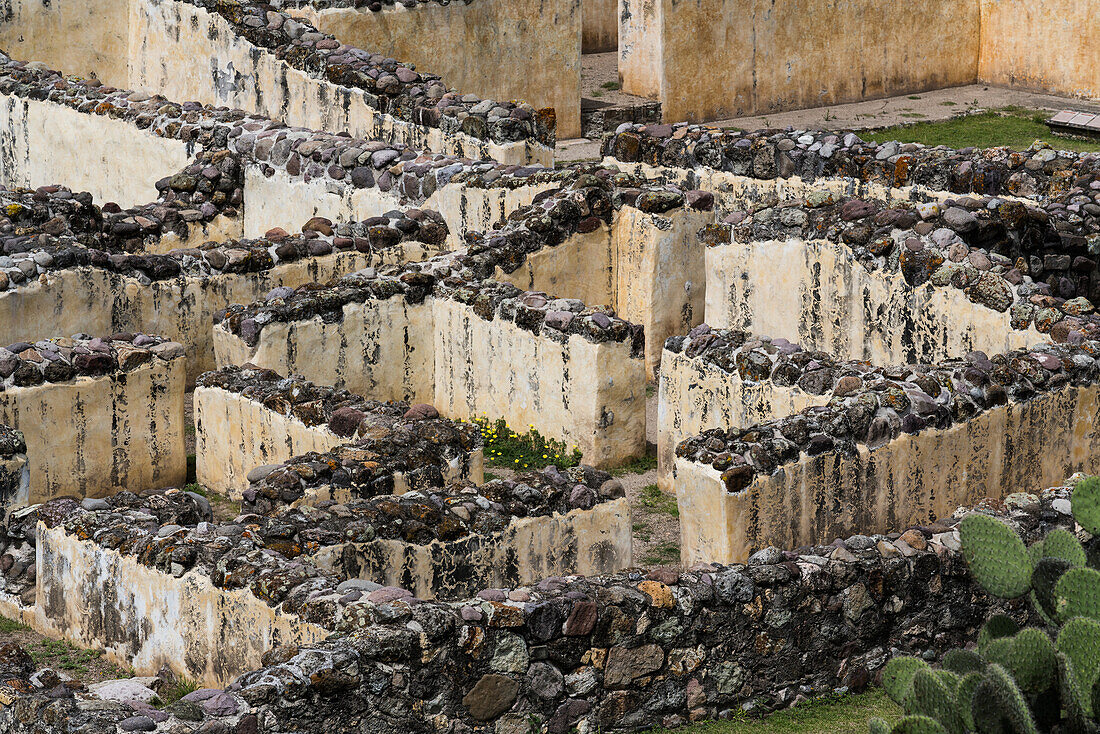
(600, 29)
(1048, 45)
(496, 49)
(74, 37)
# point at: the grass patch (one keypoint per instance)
(176, 690)
(641, 531)
(489, 476)
(1014, 127)
(7, 626)
(916, 115)
(662, 554)
(611, 86)
(650, 390)
(635, 466)
(948, 103)
(658, 502)
(914, 96)
(596, 93)
(60, 655)
(521, 451)
(220, 505)
(826, 715)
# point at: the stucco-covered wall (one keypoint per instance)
(648, 267)
(817, 294)
(1049, 45)
(600, 27)
(281, 201)
(529, 549)
(725, 58)
(93, 301)
(92, 436)
(590, 395)
(911, 480)
(42, 143)
(234, 435)
(82, 38)
(499, 49)
(693, 396)
(145, 619)
(233, 72)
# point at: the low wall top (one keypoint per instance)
(987, 247)
(590, 196)
(440, 277)
(62, 358)
(874, 405)
(1038, 172)
(390, 87)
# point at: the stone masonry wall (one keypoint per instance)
(99, 415)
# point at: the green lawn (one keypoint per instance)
(847, 715)
(1012, 126)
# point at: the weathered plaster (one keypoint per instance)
(817, 294)
(92, 437)
(913, 479)
(496, 49)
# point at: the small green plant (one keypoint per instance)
(656, 501)
(1017, 681)
(611, 85)
(914, 96)
(636, 466)
(7, 626)
(176, 690)
(662, 553)
(508, 448)
(196, 488)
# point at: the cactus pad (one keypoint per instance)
(1079, 640)
(931, 697)
(964, 694)
(1077, 594)
(996, 556)
(1075, 697)
(963, 662)
(897, 677)
(1047, 574)
(1060, 543)
(918, 725)
(878, 726)
(996, 627)
(1004, 703)
(1086, 504)
(1033, 659)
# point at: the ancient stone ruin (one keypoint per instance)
(325, 243)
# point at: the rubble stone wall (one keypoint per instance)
(764, 58)
(92, 300)
(816, 292)
(145, 619)
(92, 435)
(910, 479)
(478, 47)
(240, 74)
(590, 395)
(583, 541)
(693, 396)
(648, 267)
(43, 143)
(1047, 45)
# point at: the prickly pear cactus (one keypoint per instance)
(1033, 660)
(918, 725)
(1078, 594)
(1061, 543)
(1079, 640)
(1086, 504)
(996, 556)
(933, 698)
(897, 677)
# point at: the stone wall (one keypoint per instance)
(477, 47)
(1048, 46)
(98, 415)
(893, 447)
(282, 68)
(43, 143)
(729, 379)
(600, 27)
(14, 474)
(761, 58)
(466, 346)
(249, 420)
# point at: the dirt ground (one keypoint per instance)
(69, 662)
